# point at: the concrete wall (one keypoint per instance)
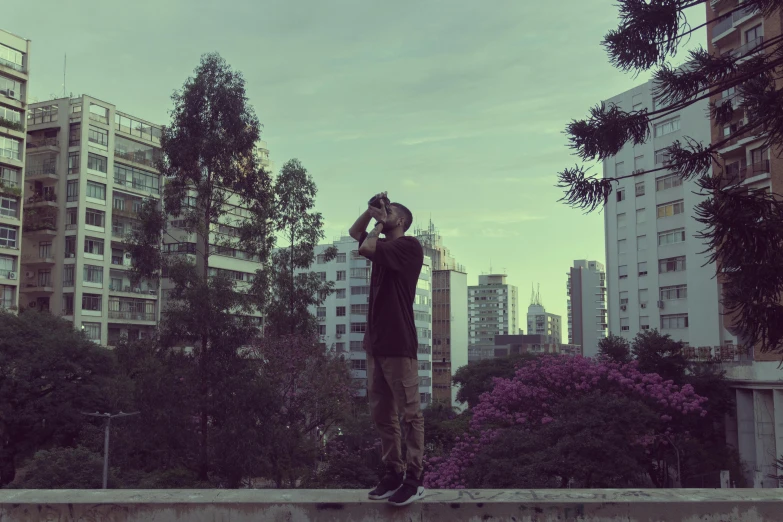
(705, 505)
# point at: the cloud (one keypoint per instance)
(407, 182)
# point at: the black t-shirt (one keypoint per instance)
(396, 266)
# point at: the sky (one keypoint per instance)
(456, 108)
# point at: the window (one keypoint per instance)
(99, 136)
(621, 194)
(642, 267)
(320, 311)
(670, 209)
(7, 264)
(360, 290)
(667, 182)
(11, 88)
(671, 264)
(624, 324)
(662, 157)
(9, 177)
(91, 302)
(136, 178)
(44, 278)
(75, 135)
(641, 216)
(8, 236)
(7, 296)
(68, 274)
(92, 331)
(637, 102)
(95, 218)
(15, 117)
(360, 309)
(340, 293)
(621, 246)
(619, 169)
(754, 33)
(99, 114)
(322, 276)
(639, 188)
(670, 322)
(321, 329)
(95, 162)
(358, 327)
(119, 203)
(641, 243)
(643, 295)
(320, 259)
(620, 220)
(9, 147)
(73, 163)
(667, 127)
(341, 275)
(93, 274)
(671, 293)
(68, 304)
(624, 297)
(93, 245)
(136, 128)
(622, 271)
(670, 237)
(341, 258)
(356, 346)
(72, 190)
(358, 364)
(9, 207)
(44, 249)
(96, 190)
(340, 311)
(638, 163)
(759, 156)
(644, 322)
(339, 329)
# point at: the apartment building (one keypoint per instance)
(586, 290)
(656, 274)
(492, 310)
(756, 429)
(449, 316)
(541, 322)
(14, 76)
(90, 167)
(342, 318)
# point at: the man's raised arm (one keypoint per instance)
(360, 225)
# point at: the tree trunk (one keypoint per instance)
(293, 284)
(203, 472)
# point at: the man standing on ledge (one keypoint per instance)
(392, 346)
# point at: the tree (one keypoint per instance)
(660, 354)
(478, 377)
(743, 228)
(211, 169)
(615, 348)
(565, 391)
(288, 309)
(64, 468)
(49, 374)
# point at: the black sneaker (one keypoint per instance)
(390, 483)
(412, 489)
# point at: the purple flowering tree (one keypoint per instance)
(567, 420)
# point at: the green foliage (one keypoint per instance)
(49, 373)
(287, 310)
(442, 427)
(10, 191)
(477, 378)
(64, 468)
(13, 125)
(615, 348)
(660, 354)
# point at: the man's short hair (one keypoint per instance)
(406, 214)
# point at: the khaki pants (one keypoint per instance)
(393, 390)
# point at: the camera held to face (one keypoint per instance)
(379, 202)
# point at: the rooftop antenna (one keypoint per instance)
(65, 64)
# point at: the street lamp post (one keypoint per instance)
(108, 417)
(677, 451)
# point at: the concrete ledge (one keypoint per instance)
(671, 505)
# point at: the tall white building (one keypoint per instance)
(541, 322)
(587, 305)
(655, 272)
(342, 317)
(14, 76)
(493, 309)
(89, 167)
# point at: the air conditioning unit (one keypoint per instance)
(643, 305)
(623, 307)
(11, 94)
(29, 274)
(32, 304)
(11, 275)
(127, 255)
(153, 292)
(660, 304)
(137, 290)
(127, 289)
(70, 254)
(339, 336)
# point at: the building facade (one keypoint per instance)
(342, 318)
(493, 309)
(449, 316)
(656, 272)
(586, 289)
(14, 76)
(90, 167)
(541, 322)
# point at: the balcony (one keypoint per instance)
(10, 188)
(40, 221)
(735, 174)
(729, 22)
(12, 154)
(131, 315)
(745, 51)
(126, 212)
(40, 287)
(139, 157)
(34, 261)
(146, 291)
(42, 199)
(136, 185)
(13, 125)
(41, 172)
(43, 145)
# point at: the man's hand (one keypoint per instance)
(377, 213)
